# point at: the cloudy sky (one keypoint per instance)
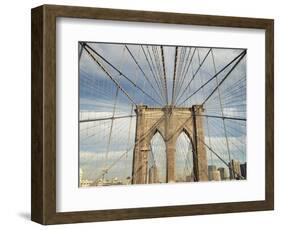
(197, 72)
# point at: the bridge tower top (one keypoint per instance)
(170, 121)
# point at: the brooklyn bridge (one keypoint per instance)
(161, 114)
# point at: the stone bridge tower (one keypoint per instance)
(170, 122)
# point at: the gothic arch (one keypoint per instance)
(158, 149)
(184, 158)
(154, 132)
(184, 130)
(169, 122)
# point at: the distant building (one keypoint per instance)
(189, 178)
(211, 169)
(213, 173)
(234, 169)
(102, 182)
(153, 175)
(243, 168)
(180, 179)
(216, 176)
(224, 173)
(84, 182)
(128, 180)
(107, 182)
(116, 181)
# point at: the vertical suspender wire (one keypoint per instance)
(222, 113)
(144, 84)
(130, 126)
(129, 136)
(154, 66)
(164, 74)
(186, 104)
(181, 51)
(196, 71)
(207, 119)
(185, 73)
(112, 120)
(153, 74)
(181, 66)
(184, 65)
(159, 69)
(175, 72)
(142, 71)
(113, 115)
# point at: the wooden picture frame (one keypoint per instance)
(43, 189)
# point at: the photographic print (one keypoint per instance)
(114, 108)
(152, 113)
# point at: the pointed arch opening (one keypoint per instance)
(184, 158)
(156, 164)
